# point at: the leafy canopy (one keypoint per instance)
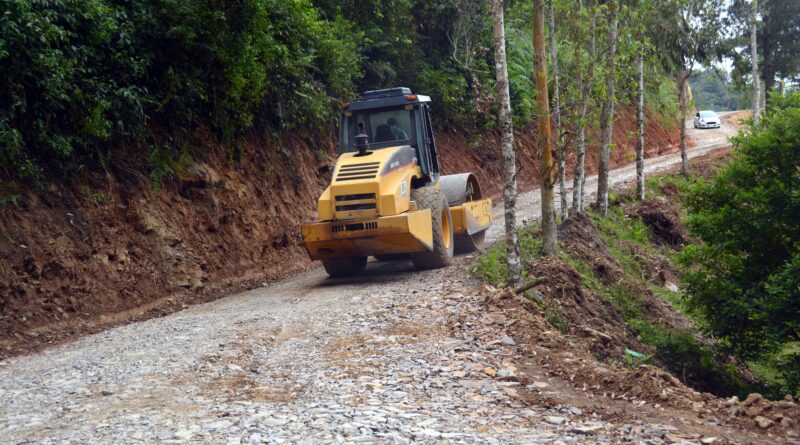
(79, 75)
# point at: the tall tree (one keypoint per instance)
(607, 112)
(509, 156)
(560, 147)
(778, 41)
(681, 82)
(547, 173)
(583, 85)
(640, 125)
(754, 59)
(639, 22)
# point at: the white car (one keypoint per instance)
(706, 119)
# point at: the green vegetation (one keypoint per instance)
(82, 79)
(744, 279)
(491, 267)
(778, 43)
(82, 76)
(654, 184)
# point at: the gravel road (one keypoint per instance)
(307, 360)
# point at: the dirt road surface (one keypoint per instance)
(311, 360)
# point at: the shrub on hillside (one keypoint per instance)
(745, 277)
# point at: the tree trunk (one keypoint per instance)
(547, 173)
(766, 52)
(754, 61)
(560, 148)
(509, 156)
(607, 113)
(584, 86)
(682, 78)
(580, 146)
(640, 126)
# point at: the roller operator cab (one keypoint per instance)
(387, 198)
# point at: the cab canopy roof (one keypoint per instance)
(390, 97)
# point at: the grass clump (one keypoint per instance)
(553, 315)
(492, 266)
(654, 185)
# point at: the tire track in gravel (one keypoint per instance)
(307, 360)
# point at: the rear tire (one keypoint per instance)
(441, 225)
(345, 267)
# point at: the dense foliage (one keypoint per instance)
(745, 278)
(80, 74)
(82, 78)
(778, 42)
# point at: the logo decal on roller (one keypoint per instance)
(404, 188)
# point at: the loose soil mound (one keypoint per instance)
(663, 219)
(587, 315)
(581, 239)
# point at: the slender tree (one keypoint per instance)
(640, 126)
(683, 103)
(607, 111)
(778, 42)
(754, 60)
(547, 173)
(584, 86)
(560, 148)
(509, 156)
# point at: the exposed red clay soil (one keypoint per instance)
(76, 259)
(482, 155)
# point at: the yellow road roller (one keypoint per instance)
(387, 198)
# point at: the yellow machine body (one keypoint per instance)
(471, 217)
(367, 209)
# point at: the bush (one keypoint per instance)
(70, 80)
(744, 278)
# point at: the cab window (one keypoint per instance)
(384, 128)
